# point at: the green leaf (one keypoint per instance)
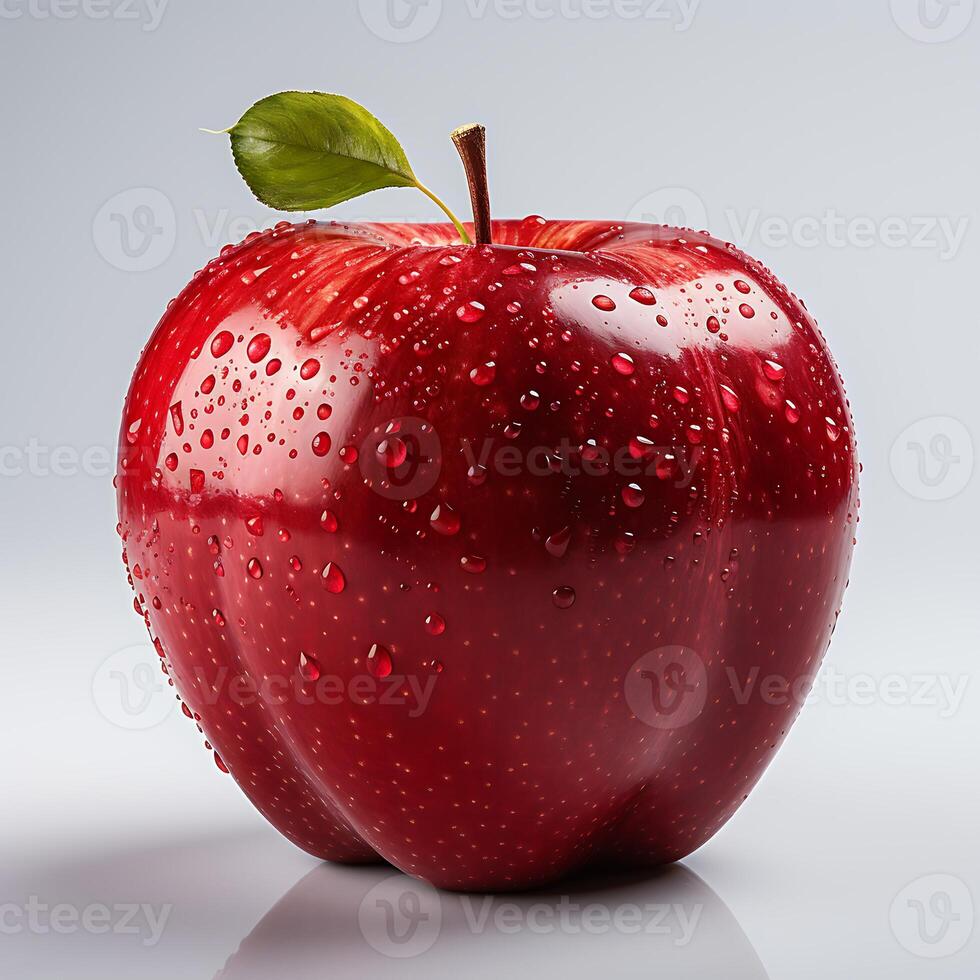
(299, 151)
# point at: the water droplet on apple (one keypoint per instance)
(258, 347)
(435, 625)
(309, 669)
(321, 444)
(623, 363)
(379, 661)
(333, 578)
(471, 312)
(222, 343)
(484, 374)
(445, 520)
(604, 303)
(773, 370)
(473, 564)
(633, 495)
(563, 596)
(557, 544)
(642, 295)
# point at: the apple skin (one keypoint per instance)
(533, 754)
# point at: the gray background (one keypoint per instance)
(835, 141)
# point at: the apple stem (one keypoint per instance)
(471, 143)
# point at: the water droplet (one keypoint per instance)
(773, 370)
(218, 616)
(321, 444)
(333, 578)
(484, 374)
(445, 520)
(309, 369)
(730, 400)
(791, 412)
(833, 430)
(255, 526)
(392, 452)
(349, 454)
(681, 395)
(197, 481)
(473, 564)
(530, 401)
(379, 661)
(623, 363)
(746, 311)
(742, 286)
(625, 542)
(435, 625)
(557, 544)
(604, 303)
(641, 447)
(309, 669)
(641, 294)
(666, 468)
(222, 343)
(171, 462)
(177, 417)
(713, 324)
(477, 475)
(471, 312)
(220, 763)
(563, 596)
(258, 347)
(633, 495)
(255, 568)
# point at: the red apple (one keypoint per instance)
(489, 560)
